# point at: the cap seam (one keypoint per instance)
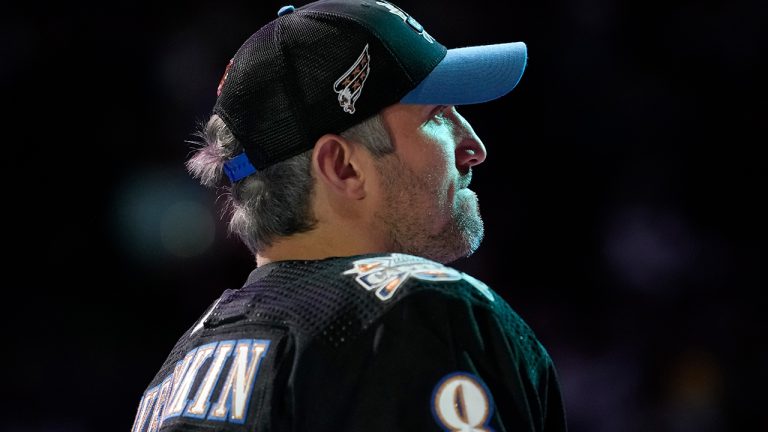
(297, 103)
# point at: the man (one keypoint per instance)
(348, 167)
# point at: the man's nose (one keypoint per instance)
(470, 150)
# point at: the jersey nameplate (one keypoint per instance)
(231, 366)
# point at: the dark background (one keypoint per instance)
(623, 197)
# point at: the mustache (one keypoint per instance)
(465, 179)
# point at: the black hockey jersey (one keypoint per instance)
(386, 342)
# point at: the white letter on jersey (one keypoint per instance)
(179, 399)
(144, 406)
(162, 398)
(462, 403)
(199, 407)
(178, 373)
(236, 391)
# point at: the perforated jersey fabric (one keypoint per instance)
(377, 342)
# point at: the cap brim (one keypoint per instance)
(472, 75)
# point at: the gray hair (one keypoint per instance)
(276, 201)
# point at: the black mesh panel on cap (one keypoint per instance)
(257, 103)
(323, 60)
(280, 95)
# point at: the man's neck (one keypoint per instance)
(322, 243)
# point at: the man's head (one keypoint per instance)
(428, 209)
(359, 98)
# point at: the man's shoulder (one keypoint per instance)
(338, 297)
(308, 315)
(377, 280)
(332, 301)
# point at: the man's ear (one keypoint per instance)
(337, 163)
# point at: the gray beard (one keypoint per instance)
(460, 238)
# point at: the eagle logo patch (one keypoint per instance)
(349, 86)
(386, 274)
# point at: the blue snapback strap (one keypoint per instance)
(238, 168)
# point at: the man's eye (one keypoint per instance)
(439, 114)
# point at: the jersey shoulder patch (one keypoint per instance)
(385, 275)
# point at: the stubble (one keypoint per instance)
(414, 204)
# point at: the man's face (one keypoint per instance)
(427, 208)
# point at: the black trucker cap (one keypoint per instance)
(329, 65)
